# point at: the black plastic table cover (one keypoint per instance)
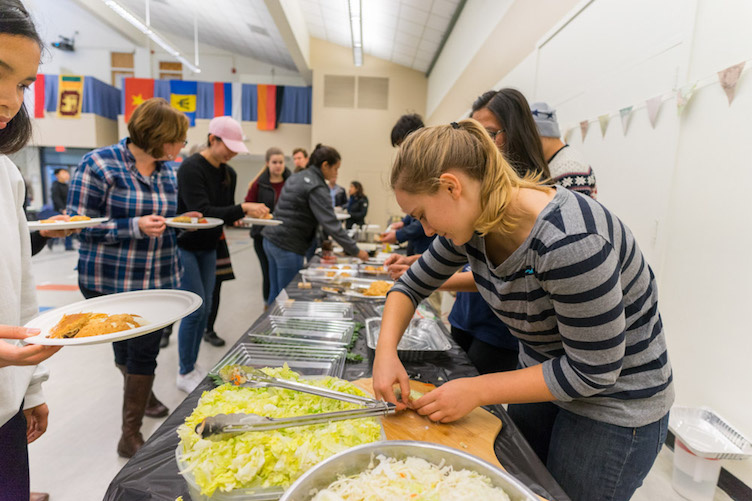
(152, 474)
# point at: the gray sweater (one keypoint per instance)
(305, 203)
(583, 302)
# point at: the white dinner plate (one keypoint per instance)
(66, 225)
(211, 222)
(261, 222)
(341, 216)
(157, 307)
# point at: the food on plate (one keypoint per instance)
(412, 478)
(346, 267)
(331, 274)
(79, 218)
(270, 458)
(345, 274)
(268, 216)
(378, 288)
(48, 221)
(80, 325)
(374, 269)
(187, 219)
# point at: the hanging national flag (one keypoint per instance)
(654, 106)
(137, 90)
(584, 125)
(625, 114)
(183, 98)
(683, 96)
(222, 99)
(39, 96)
(603, 119)
(269, 102)
(729, 77)
(70, 96)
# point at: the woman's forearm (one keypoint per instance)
(513, 387)
(398, 311)
(460, 282)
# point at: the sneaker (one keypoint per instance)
(212, 338)
(189, 382)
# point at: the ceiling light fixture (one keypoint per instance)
(356, 29)
(153, 35)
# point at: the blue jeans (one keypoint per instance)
(199, 275)
(283, 266)
(590, 460)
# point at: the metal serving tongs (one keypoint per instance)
(254, 378)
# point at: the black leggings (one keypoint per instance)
(14, 459)
(487, 358)
(258, 246)
(214, 306)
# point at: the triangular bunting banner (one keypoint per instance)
(625, 114)
(603, 120)
(654, 105)
(568, 134)
(583, 128)
(683, 96)
(728, 78)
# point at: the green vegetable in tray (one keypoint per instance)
(273, 458)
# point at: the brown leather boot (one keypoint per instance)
(154, 408)
(136, 394)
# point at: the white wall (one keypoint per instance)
(681, 187)
(477, 20)
(96, 40)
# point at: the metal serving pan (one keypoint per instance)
(313, 309)
(422, 340)
(357, 459)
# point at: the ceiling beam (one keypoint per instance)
(288, 17)
(107, 15)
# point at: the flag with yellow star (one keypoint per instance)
(136, 91)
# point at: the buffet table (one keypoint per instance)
(152, 474)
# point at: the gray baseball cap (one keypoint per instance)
(545, 119)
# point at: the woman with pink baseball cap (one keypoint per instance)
(207, 184)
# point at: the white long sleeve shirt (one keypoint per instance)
(18, 303)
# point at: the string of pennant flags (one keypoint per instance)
(728, 78)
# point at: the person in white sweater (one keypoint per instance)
(23, 413)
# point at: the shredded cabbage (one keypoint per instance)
(272, 458)
(414, 479)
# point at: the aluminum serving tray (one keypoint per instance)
(422, 340)
(708, 435)
(310, 361)
(313, 309)
(354, 461)
(298, 330)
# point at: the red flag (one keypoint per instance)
(137, 90)
(219, 99)
(267, 107)
(39, 96)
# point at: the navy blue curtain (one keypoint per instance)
(162, 89)
(205, 100)
(249, 100)
(296, 105)
(101, 99)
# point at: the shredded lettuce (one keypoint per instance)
(272, 458)
(412, 478)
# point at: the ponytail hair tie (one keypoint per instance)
(455, 125)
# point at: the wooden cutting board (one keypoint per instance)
(474, 433)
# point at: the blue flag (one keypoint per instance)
(183, 98)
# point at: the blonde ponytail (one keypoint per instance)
(466, 146)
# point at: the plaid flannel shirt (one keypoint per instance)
(115, 256)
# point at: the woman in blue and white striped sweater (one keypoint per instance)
(568, 279)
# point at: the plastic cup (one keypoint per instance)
(695, 478)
